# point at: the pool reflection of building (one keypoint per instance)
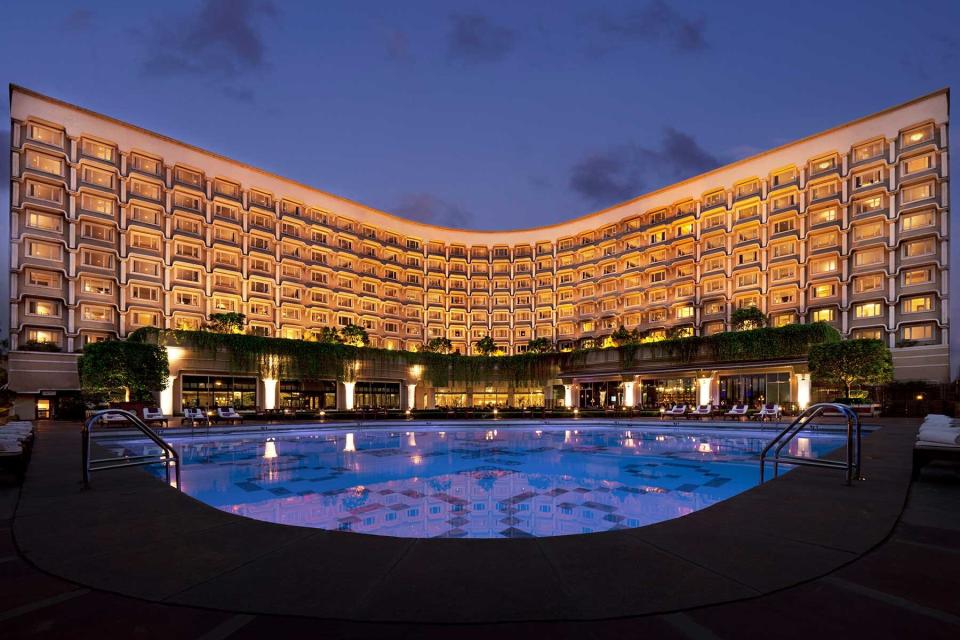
(476, 484)
(116, 228)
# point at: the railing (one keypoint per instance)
(168, 456)
(851, 462)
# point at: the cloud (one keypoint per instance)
(624, 171)
(221, 39)
(78, 20)
(428, 208)
(655, 22)
(475, 39)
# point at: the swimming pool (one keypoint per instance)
(474, 482)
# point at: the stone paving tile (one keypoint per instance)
(21, 584)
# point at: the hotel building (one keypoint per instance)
(114, 228)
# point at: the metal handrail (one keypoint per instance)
(851, 462)
(169, 456)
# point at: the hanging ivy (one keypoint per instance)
(284, 358)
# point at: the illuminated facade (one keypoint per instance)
(114, 228)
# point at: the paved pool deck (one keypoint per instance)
(800, 553)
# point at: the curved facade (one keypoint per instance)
(114, 228)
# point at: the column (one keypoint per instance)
(345, 399)
(568, 397)
(629, 394)
(269, 394)
(703, 390)
(803, 390)
(412, 395)
(166, 397)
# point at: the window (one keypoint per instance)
(917, 135)
(43, 279)
(783, 273)
(918, 220)
(823, 215)
(144, 215)
(149, 294)
(45, 135)
(144, 318)
(43, 308)
(823, 165)
(144, 164)
(96, 232)
(44, 250)
(868, 205)
(188, 176)
(224, 188)
(45, 192)
(868, 231)
(98, 150)
(43, 335)
(747, 279)
(918, 164)
(864, 284)
(144, 189)
(868, 310)
(823, 315)
(145, 268)
(913, 277)
(824, 190)
(872, 333)
(96, 204)
(919, 304)
(97, 177)
(917, 193)
(43, 162)
(95, 313)
(867, 178)
(918, 332)
(782, 226)
(684, 312)
(866, 257)
(97, 286)
(824, 241)
(97, 259)
(784, 297)
(823, 291)
(917, 248)
(824, 265)
(145, 242)
(187, 299)
(781, 178)
(44, 221)
(868, 151)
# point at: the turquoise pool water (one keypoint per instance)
(510, 481)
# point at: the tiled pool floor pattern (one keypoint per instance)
(475, 483)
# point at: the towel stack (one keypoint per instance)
(939, 429)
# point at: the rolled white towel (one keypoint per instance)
(944, 427)
(937, 417)
(939, 437)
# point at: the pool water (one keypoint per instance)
(474, 482)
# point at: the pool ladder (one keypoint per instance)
(851, 462)
(168, 455)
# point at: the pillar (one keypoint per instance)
(568, 397)
(269, 394)
(166, 397)
(803, 390)
(703, 390)
(629, 394)
(412, 395)
(348, 395)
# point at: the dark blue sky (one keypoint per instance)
(488, 114)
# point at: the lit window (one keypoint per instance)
(917, 193)
(918, 220)
(823, 315)
(869, 256)
(918, 164)
(863, 284)
(868, 231)
(824, 291)
(97, 150)
(917, 248)
(868, 151)
(918, 332)
(96, 204)
(917, 136)
(144, 164)
(920, 304)
(44, 308)
(823, 215)
(44, 221)
(45, 135)
(914, 277)
(868, 310)
(44, 163)
(96, 177)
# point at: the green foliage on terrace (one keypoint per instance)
(106, 368)
(285, 358)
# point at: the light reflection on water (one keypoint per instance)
(478, 483)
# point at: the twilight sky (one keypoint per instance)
(489, 114)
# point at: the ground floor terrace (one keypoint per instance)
(799, 556)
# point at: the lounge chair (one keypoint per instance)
(153, 415)
(678, 410)
(194, 416)
(737, 411)
(937, 439)
(228, 414)
(113, 419)
(771, 411)
(702, 410)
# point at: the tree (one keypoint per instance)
(231, 322)
(485, 346)
(437, 345)
(107, 368)
(540, 345)
(748, 318)
(327, 335)
(851, 362)
(354, 335)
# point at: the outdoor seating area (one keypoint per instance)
(937, 439)
(16, 441)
